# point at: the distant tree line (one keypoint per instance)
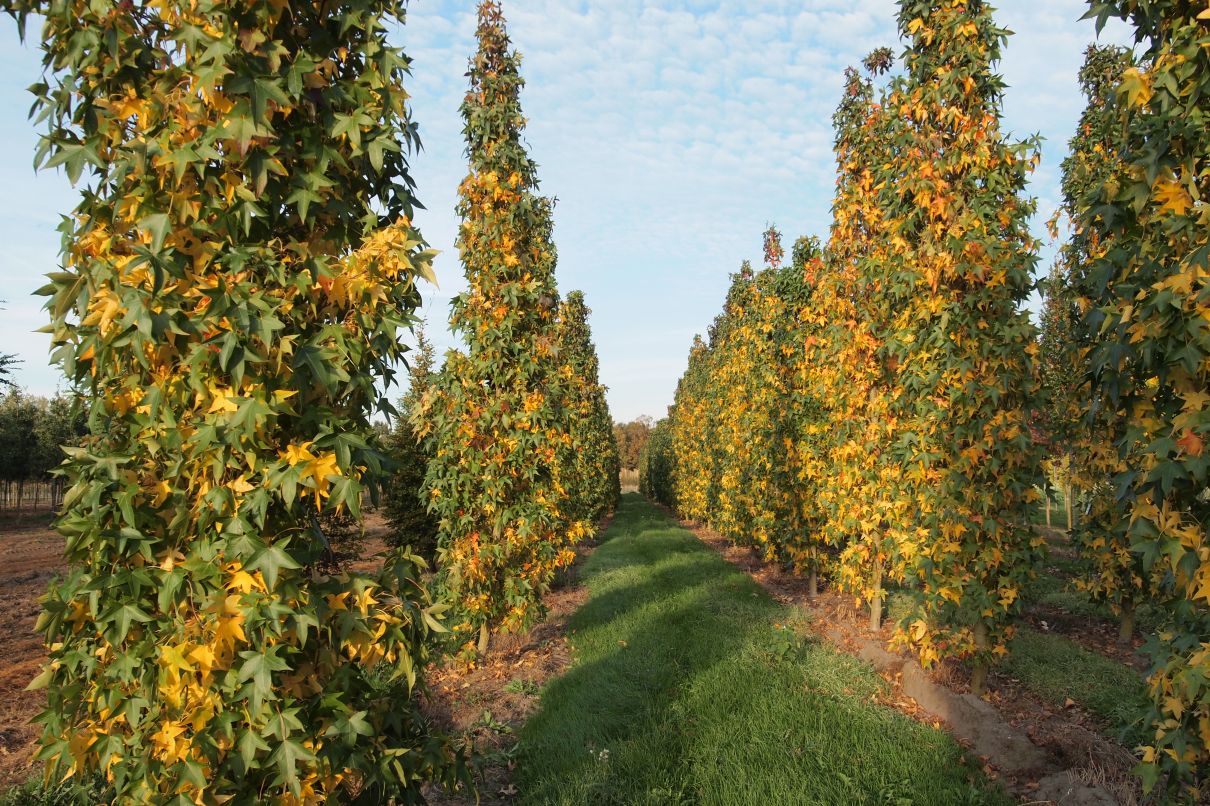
(632, 438)
(33, 431)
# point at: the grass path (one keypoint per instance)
(692, 686)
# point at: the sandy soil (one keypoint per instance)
(30, 556)
(485, 705)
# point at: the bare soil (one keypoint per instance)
(485, 705)
(30, 556)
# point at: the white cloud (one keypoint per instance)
(670, 130)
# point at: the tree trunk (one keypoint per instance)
(812, 583)
(1067, 496)
(1048, 506)
(876, 600)
(979, 667)
(1126, 625)
(484, 639)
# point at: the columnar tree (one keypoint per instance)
(405, 498)
(775, 505)
(692, 436)
(860, 480)
(501, 433)
(1060, 368)
(804, 426)
(1152, 304)
(235, 280)
(595, 470)
(961, 268)
(730, 408)
(656, 464)
(1102, 452)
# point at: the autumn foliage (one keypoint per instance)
(595, 471)
(1147, 278)
(503, 472)
(866, 412)
(235, 281)
(242, 267)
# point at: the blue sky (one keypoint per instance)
(671, 132)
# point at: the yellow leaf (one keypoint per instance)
(1137, 87)
(297, 454)
(203, 656)
(223, 400)
(1172, 197)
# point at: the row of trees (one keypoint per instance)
(522, 456)
(870, 411)
(236, 281)
(631, 438)
(32, 433)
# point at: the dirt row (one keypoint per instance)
(30, 556)
(485, 705)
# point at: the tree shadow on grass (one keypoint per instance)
(686, 690)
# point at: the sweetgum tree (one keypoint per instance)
(405, 499)
(595, 465)
(961, 269)
(1102, 451)
(1151, 300)
(730, 407)
(859, 479)
(656, 465)
(804, 420)
(691, 434)
(1061, 387)
(235, 281)
(500, 430)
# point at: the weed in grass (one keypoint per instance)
(704, 690)
(67, 793)
(527, 688)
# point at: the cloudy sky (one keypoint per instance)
(671, 132)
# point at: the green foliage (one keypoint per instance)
(34, 431)
(1153, 365)
(66, 793)
(235, 280)
(1087, 418)
(501, 433)
(413, 525)
(656, 465)
(594, 476)
(1060, 362)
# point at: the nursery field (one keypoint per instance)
(833, 573)
(674, 669)
(692, 684)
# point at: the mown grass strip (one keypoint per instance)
(688, 687)
(1055, 669)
